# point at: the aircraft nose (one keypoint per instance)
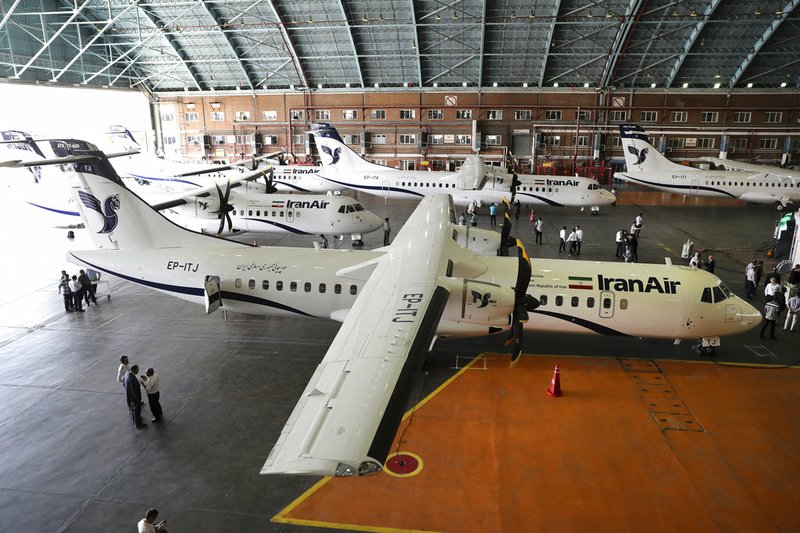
(744, 315)
(371, 221)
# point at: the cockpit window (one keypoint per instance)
(715, 294)
(342, 208)
(593, 186)
(719, 295)
(358, 207)
(707, 296)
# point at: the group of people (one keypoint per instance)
(77, 289)
(129, 377)
(777, 297)
(575, 239)
(697, 262)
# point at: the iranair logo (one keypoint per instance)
(108, 211)
(482, 299)
(581, 282)
(334, 154)
(640, 155)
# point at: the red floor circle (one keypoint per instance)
(402, 464)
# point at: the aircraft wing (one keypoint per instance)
(347, 417)
(218, 168)
(183, 197)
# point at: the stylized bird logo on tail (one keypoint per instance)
(640, 155)
(110, 206)
(484, 299)
(334, 154)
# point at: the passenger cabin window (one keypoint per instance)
(606, 303)
(293, 286)
(251, 284)
(559, 301)
(307, 286)
(337, 289)
(623, 303)
(575, 301)
(322, 288)
(237, 283)
(278, 285)
(590, 302)
(265, 285)
(543, 299)
(353, 290)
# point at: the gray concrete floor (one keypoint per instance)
(70, 459)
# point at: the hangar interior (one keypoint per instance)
(682, 440)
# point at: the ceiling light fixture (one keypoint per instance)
(436, 84)
(652, 85)
(693, 13)
(494, 84)
(513, 14)
(685, 85)
(555, 84)
(525, 84)
(464, 84)
(437, 18)
(783, 84)
(347, 85)
(717, 85)
(377, 85)
(750, 85)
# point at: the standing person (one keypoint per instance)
(91, 289)
(473, 219)
(77, 293)
(387, 231)
(620, 240)
(578, 239)
(696, 261)
(750, 281)
(323, 241)
(710, 264)
(639, 220)
(122, 370)
(493, 215)
(572, 239)
(759, 271)
(562, 235)
(65, 291)
(151, 385)
(771, 311)
(793, 307)
(462, 219)
(133, 393)
(538, 228)
(634, 244)
(85, 284)
(148, 523)
(771, 289)
(517, 207)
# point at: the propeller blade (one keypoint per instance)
(221, 225)
(230, 222)
(504, 236)
(269, 180)
(227, 192)
(517, 349)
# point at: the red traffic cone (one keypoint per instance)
(555, 384)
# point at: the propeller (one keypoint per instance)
(269, 177)
(224, 211)
(523, 303)
(514, 184)
(505, 233)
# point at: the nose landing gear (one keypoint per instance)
(706, 345)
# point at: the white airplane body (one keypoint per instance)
(175, 176)
(436, 279)
(766, 170)
(646, 166)
(304, 214)
(472, 184)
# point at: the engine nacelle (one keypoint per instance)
(476, 302)
(462, 330)
(480, 241)
(203, 207)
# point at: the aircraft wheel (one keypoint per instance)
(779, 206)
(708, 350)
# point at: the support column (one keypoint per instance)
(723, 147)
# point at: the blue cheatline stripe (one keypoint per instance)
(588, 324)
(291, 186)
(286, 227)
(165, 180)
(194, 291)
(54, 210)
(540, 198)
(374, 187)
(680, 187)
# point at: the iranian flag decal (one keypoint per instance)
(580, 282)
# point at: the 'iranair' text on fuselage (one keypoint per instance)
(665, 286)
(295, 204)
(563, 183)
(410, 307)
(185, 267)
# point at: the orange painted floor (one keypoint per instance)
(665, 198)
(632, 445)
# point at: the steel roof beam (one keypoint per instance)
(352, 42)
(173, 43)
(774, 25)
(550, 32)
(8, 13)
(290, 48)
(450, 69)
(219, 23)
(46, 45)
(416, 41)
(620, 41)
(687, 46)
(483, 44)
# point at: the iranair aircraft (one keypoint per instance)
(174, 176)
(210, 210)
(647, 166)
(788, 174)
(474, 183)
(436, 280)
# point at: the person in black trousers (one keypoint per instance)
(133, 393)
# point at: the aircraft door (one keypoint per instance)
(290, 215)
(695, 185)
(385, 188)
(606, 304)
(212, 293)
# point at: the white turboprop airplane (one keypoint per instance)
(475, 182)
(208, 209)
(789, 174)
(647, 166)
(172, 175)
(437, 279)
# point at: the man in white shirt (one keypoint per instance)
(793, 305)
(771, 288)
(578, 239)
(148, 525)
(573, 242)
(620, 240)
(151, 385)
(77, 294)
(562, 234)
(123, 369)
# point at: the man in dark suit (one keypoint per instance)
(133, 393)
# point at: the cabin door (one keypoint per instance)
(606, 304)
(290, 215)
(212, 293)
(695, 185)
(385, 188)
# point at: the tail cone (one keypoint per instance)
(555, 384)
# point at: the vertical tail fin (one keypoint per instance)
(123, 138)
(21, 141)
(115, 217)
(336, 156)
(640, 155)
